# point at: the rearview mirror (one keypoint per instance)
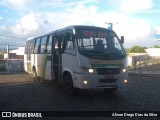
(122, 39)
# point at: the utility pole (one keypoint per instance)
(7, 51)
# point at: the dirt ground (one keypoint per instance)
(152, 67)
(16, 77)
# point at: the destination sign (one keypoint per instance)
(94, 34)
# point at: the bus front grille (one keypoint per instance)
(108, 71)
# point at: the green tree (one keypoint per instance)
(137, 49)
(145, 47)
(127, 51)
(157, 46)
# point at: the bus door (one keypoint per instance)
(56, 58)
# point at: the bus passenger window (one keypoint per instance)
(49, 46)
(43, 45)
(70, 48)
(26, 48)
(37, 46)
(69, 45)
(55, 45)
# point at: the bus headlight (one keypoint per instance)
(85, 82)
(124, 70)
(125, 81)
(90, 70)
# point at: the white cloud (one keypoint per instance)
(132, 28)
(36, 5)
(81, 2)
(29, 22)
(72, 16)
(3, 30)
(135, 30)
(15, 4)
(135, 5)
(157, 30)
(25, 26)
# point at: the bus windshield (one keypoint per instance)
(100, 44)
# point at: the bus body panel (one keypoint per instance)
(78, 64)
(48, 71)
(93, 78)
(69, 66)
(42, 65)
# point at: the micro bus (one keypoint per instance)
(78, 57)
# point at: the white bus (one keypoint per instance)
(78, 57)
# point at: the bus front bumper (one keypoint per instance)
(100, 81)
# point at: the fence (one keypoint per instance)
(8, 66)
(10, 62)
(144, 64)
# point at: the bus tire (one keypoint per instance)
(109, 90)
(68, 85)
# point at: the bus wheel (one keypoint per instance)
(68, 85)
(109, 90)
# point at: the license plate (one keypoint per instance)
(109, 77)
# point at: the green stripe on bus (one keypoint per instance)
(106, 65)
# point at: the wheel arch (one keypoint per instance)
(68, 71)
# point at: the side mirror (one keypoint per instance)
(122, 39)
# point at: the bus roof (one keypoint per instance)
(70, 27)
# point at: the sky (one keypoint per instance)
(136, 20)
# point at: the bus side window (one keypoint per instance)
(33, 45)
(55, 45)
(28, 50)
(43, 45)
(70, 46)
(37, 45)
(49, 45)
